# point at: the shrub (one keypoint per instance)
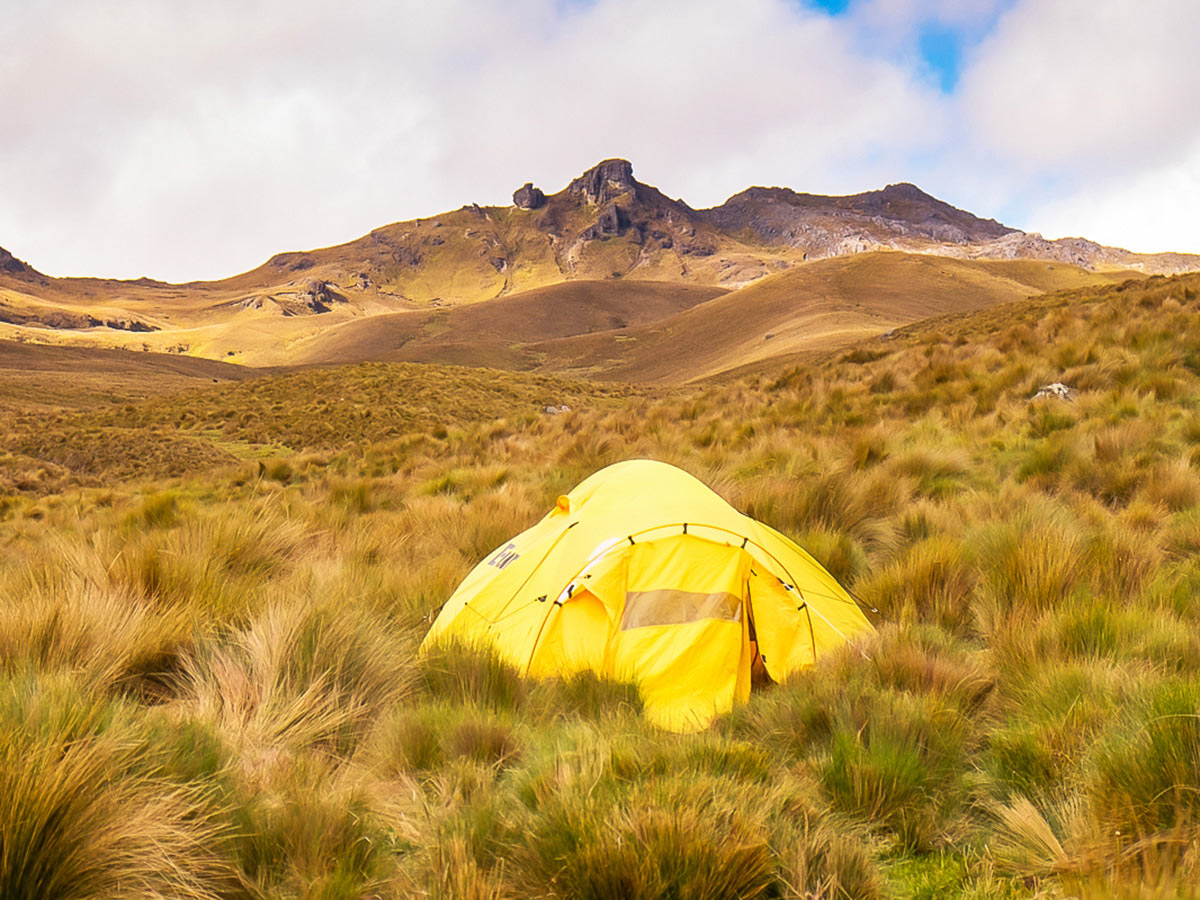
(307, 836)
(839, 554)
(409, 741)
(114, 641)
(1047, 721)
(820, 860)
(1033, 561)
(1143, 785)
(937, 473)
(156, 511)
(584, 694)
(301, 675)
(482, 741)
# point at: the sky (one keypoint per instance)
(185, 141)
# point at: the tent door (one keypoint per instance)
(683, 632)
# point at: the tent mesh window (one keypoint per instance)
(671, 607)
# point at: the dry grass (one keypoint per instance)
(210, 689)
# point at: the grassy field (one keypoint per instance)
(208, 686)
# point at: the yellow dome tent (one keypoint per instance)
(644, 574)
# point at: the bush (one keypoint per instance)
(819, 860)
(482, 741)
(409, 741)
(309, 837)
(1143, 785)
(899, 764)
(584, 694)
(1031, 562)
(300, 676)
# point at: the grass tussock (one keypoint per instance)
(86, 811)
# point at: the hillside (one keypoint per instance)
(501, 333)
(602, 228)
(814, 308)
(213, 670)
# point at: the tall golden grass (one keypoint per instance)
(208, 685)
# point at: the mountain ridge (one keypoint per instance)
(902, 210)
(604, 226)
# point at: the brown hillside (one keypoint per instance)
(497, 332)
(819, 306)
(36, 375)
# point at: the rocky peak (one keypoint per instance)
(605, 181)
(906, 191)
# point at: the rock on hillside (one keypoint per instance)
(10, 263)
(604, 182)
(529, 197)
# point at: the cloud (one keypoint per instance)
(1148, 211)
(1088, 110)
(194, 140)
(1091, 85)
(190, 141)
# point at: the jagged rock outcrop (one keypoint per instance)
(612, 221)
(529, 197)
(604, 182)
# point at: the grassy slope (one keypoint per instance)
(106, 427)
(32, 374)
(218, 670)
(492, 333)
(818, 306)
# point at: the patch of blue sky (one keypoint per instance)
(833, 7)
(941, 49)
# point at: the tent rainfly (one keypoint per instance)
(642, 573)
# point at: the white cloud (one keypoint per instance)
(1088, 111)
(194, 140)
(1089, 85)
(1148, 211)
